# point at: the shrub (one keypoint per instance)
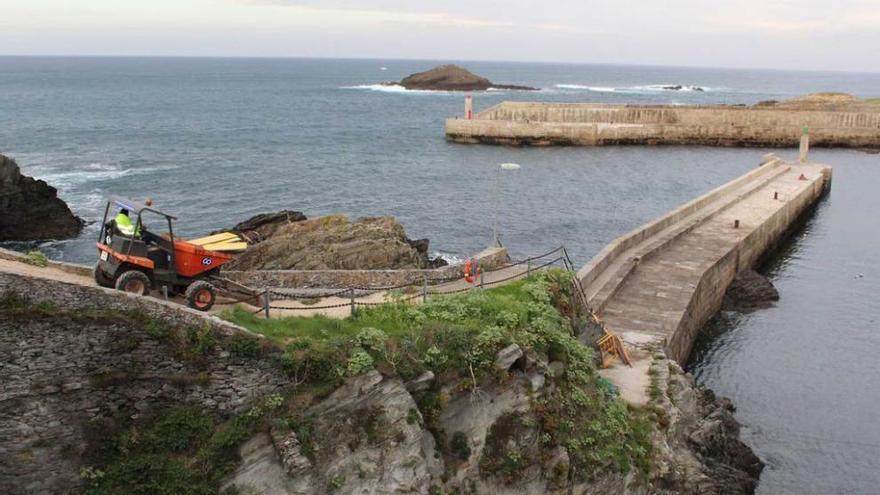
(459, 446)
(36, 258)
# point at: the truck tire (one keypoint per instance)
(135, 282)
(102, 279)
(201, 295)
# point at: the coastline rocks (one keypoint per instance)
(288, 241)
(263, 226)
(30, 209)
(366, 437)
(453, 78)
(750, 291)
(700, 451)
(679, 87)
(830, 101)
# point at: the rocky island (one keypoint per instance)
(30, 209)
(452, 78)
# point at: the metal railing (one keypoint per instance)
(263, 298)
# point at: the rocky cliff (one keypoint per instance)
(30, 209)
(370, 436)
(288, 241)
(452, 78)
(83, 367)
(487, 392)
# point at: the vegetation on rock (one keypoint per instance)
(457, 338)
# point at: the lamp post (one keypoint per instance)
(502, 166)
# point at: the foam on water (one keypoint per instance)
(643, 89)
(394, 88)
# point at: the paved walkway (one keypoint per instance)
(342, 304)
(293, 307)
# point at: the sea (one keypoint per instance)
(214, 141)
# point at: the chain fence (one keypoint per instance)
(262, 299)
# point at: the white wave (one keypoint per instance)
(68, 179)
(101, 166)
(393, 88)
(452, 259)
(597, 89)
(640, 89)
(675, 87)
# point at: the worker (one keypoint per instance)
(124, 225)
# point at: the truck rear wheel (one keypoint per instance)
(201, 295)
(135, 282)
(102, 279)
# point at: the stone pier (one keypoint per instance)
(587, 124)
(659, 284)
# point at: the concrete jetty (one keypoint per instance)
(855, 125)
(659, 284)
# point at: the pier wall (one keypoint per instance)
(709, 293)
(660, 283)
(618, 247)
(524, 123)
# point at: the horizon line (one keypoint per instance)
(461, 60)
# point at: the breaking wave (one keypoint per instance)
(641, 89)
(394, 88)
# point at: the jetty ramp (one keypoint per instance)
(658, 285)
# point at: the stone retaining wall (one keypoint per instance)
(488, 259)
(64, 377)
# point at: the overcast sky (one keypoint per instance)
(805, 34)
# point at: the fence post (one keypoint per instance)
(481, 279)
(266, 301)
(528, 266)
(425, 289)
(351, 298)
(165, 291)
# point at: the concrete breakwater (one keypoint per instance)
(588, 124)
(659, 284)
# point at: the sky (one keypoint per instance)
(784, 34)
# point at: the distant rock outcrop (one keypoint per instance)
(824, 101)
(30, 209)
(288, 241)
(453, 78)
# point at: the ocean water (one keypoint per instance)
(215, 141)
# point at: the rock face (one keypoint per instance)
(288, 241)
(263, 226)
(700, 451)
(369, 436)
(71, 376)
(30, 209)
(453, 78)
(366, 437)
(750, 291)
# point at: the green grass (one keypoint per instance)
(394, 319)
